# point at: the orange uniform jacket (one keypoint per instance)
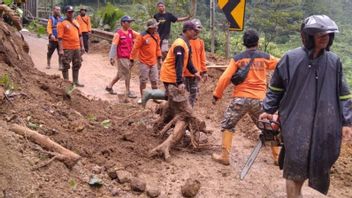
(168, 69)
(69, 33)
(255, 84)
(147, 48)
(198, 56)
(84, 23)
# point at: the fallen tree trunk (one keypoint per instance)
(61, 153)
(177, 115)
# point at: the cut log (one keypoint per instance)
(66, 156)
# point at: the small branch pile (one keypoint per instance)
(177, 113)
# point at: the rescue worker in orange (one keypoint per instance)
(247, 96)
(52, 34)
(199, 61)
(70, 45)
(121, 49)
(147, 51)
(86, 27)
(179, 59)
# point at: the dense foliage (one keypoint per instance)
(278, 22)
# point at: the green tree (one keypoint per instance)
(276, 20)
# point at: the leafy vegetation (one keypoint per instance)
(277, 21)
(36, 27)
(107, 17)
(6, 82)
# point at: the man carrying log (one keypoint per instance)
(309, 91)
(179, 58)
(247, 96)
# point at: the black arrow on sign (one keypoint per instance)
(228, 8)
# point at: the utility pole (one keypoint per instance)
(212, 25)
(227, 47)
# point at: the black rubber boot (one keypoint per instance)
(48, 63)
(75, 74)
(65, 74)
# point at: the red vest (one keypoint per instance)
(124, 48)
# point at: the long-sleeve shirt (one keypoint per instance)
(255, 85)
(179, 52)
(178, 59)
(198, 56)
(147, 48)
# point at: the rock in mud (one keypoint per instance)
(138, 185)
(94, 181)
(129, 137)
(123, 176)
(97, 169)
(190, 188)
(112, 174)
(153, 192)
(115, 192)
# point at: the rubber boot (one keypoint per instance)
(61, 66)
(155, 94)
(276, 152)
(65, 74)
(48, 64)
(75, 74)
(224, 156)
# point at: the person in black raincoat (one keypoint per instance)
(309, 91)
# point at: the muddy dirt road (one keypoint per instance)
(264, 179)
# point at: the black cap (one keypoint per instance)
(69, 8)
(126, 19)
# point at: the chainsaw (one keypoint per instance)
(270, 133)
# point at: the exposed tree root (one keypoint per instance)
(177, 114)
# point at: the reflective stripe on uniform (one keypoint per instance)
(276, 89)
(346, 97)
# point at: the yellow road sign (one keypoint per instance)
(234, 11)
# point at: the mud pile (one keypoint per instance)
(113, 139)
(94, 129)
